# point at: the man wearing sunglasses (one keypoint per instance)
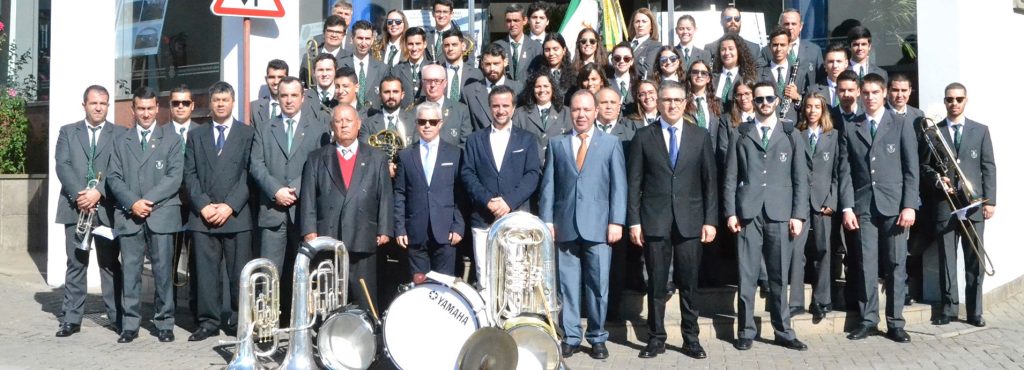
(878, 193)
(731, 26)
(183, 126)
(427, 220)
(765, 201)
(520, 51)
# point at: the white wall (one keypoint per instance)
(957, 41)
(82, 55)
(270, 39)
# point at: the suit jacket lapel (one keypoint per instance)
(754, 135)
(513, 138)
(864, 130)
(567, 148)
(688, 145)
(154, 141)
(489, 151)
(417, 162)
(330, 160)
(106, 137)
(208, 145)
(261, 110)
(534, 117)
(884, 125)
(83, 137)
(659, 137)
(968, 132)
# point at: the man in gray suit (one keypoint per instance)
(82, 155)
(442, 12)
(409, 70)
(585, 175)
(778, 68)
(837, 61)
(972, 145)
(922, 234)
(878, 193)
(391, 116)
(279, 150)
(765, 202)
(493, 66)
(454, 113)
(269, 107)
(859, 39)
(519, 50)
(333, 41)
(808, 53)
(145, 175)
(369, 71)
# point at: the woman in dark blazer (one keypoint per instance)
(541, 110)
(554, 60)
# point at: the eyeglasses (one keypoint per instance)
(668, 59)
(433, 81)
(729, 18)
(588, 41)
(770, 99)
(673, 100)
(181, 103)
(393, 22)
(958, 99)
(622, 58)
(700, 73)
(334, 32)
(424, 122)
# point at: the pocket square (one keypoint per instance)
(445, 164)
(518, 151)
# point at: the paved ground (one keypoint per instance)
(28, 321)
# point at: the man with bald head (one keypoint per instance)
(346, 195)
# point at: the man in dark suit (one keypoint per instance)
(837, 61)
(347, 195)
(500, 171)
(332, 42)
(859, 39)
(765, 202)
(609, 119)
(268, 107)
(686, 27)
(878, 193)
(279, 151)
(442, 13)
(493, 66)
(972, 144)
(181, 124)
(849, 94)
(346, 92)
(452, 111)
(323, 94)
(216, 176)
(668, 215)
(586, 162)
(804, 50)
(391, 116)
(731, 25)
(427, 220)
(369, 71)
(459, 72)
(409, 71)
(82, 155)
(922, 234)
(519, 50)
(779, 70)
(145, 175)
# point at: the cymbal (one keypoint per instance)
(489, 349)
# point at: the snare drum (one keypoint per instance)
(346, 340)
(538, 348)
(426, 326)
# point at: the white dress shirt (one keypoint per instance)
(679, 133)
(429, 156)
(149, 135)
(179, 132)
(775, 72)
(499, 143)
(397, 120)
(770, 124)
(352, 149)
(94, 135)
(364, 61)
(398, 52)
(540, 37)
(735, 71)
(227, 131)
(952, 132)
(855, 67)
(576, 142)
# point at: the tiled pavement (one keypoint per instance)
(28, 321)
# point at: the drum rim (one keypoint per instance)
(384, 318)
(365, 324)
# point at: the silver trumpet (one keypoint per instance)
(86, 218)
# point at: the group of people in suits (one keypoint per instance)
(651, 149)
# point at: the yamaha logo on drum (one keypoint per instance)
(452, 310)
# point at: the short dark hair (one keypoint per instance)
(503, 89)
(857, 33)
(451, 32)
(956, 86)
(334, 20)
(847, 75)
(182, 89)
(97, 88)
(447, 3)
(364, 25)
(898, 77)
(493, 49)
(415, 31)
(768, 84)
(873, 78)
(778, 31)
(325, 56)
(289, 80)
(221, 87)
(391, 78)
(538, 6)
(277, 64)
(347, 72)
(838, 47)
(515, 8)
(143, 93)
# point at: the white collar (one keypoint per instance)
(439, 102)
(962, 121)
(499, 83)
(506, 130)
(365, 60)
(665, 125)
(784, 65)
(543, 106)
(179, 126)
(99, 126)
(296, 117)
(589, 132)
(734, 70)
(353, 148)
(770, 123)
(432, 144)
(228, 122)
(151, 129)
(641, 40)
(877, 117)
(522, 40)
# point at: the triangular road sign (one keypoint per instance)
(248, 8)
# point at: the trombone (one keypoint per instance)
(962, 197)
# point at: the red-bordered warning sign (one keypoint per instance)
(248, 8)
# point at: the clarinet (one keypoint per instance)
(787, 103)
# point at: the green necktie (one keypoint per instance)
(437, 46)
(181, 132)
(835, 98)
(291, 132)
(686, 56)
(780, 81)
(814, 141)
(362, 85)
(92, 153)
(604, 128)
(144, 141)
(792, 54)
(622, 90)
(957, 136)
(764, 136)
(391, 58)
(702, 118)
(544, 117)
(453, 93)
(860, 74)
(874, 128)
(727, 89)
(633, 44)
(515, 58)
(274, 112)
(391, 122)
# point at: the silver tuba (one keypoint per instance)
(86, 218)
(258, 313)
(523, 288)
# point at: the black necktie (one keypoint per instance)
(145, 133)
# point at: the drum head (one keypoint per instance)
(537, 349)
(346, 340)
(489, 348)
(425, 327)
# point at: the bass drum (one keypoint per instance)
(426, 326)
(535, 339)
(346, 340)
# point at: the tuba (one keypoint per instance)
(258, 313)
(961, 196)
(388, 141)
(86, 218)
(523, 286)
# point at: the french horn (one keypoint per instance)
(388, 141)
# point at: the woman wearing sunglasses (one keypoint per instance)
(541, 111)
(669, 67)
(705, 107)
(589, 50)
(622, 74)
(389, 48)
(555, 63)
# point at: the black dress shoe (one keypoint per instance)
(941, 320)
(598, 351)
(568, 350)
(826, 308)
(862, 332)
(66, 329)
(165, 335)
(693, 349)
(818, 313)
(976, 321)
(128, 336)
(743, 344)
(652, 349)
(791, 344)
(795, 311)
(201, 334)
(898, 335)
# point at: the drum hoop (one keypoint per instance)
(384, 318)
(365, 323)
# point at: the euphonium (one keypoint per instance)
(258, 311)
(308, 301)
(86, 218)
(387, 140)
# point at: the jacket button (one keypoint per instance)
(872, 159)
(764, 184)
(764, 172)
(872, 171)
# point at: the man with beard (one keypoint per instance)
(731, 26)
(493, 66)
(390, 116)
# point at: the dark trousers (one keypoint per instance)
(684, 255)
(815, 242)
(432, 255)
(363, 266)
(160, 248)
(762, 239)
(879, 248)
(949, 234)
(75, 284)
(235, 250)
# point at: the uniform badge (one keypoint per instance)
(825, 156)
(974, 154)
(783, 157)
(159, 165)
(891, 148)
(455, 132)
(446, 112)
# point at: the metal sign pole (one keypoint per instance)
(246, 30)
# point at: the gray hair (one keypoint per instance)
(428, 106)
